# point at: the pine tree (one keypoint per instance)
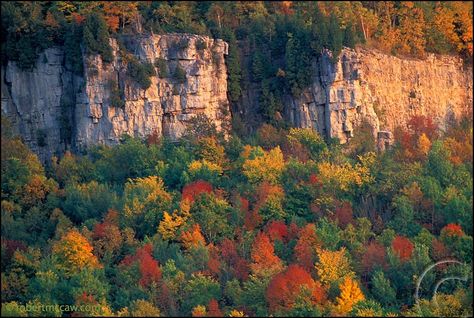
(335, 36)
(349, 37)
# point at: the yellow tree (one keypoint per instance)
(169, 225)
(236, 313)
(261, 165)
(454, 20)
(332, 266)
(350, 295)
(342, 177)
(199, 311)
(412, 29)
(424, 145)
(73, 252)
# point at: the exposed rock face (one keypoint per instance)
(167, 105)
(385, 91)
(34, 101)
(55, 110)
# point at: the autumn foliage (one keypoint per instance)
(286, 286)
(193, 237)
(402, 247)
(264, 260)
(193, 189)
(374, 255)
(305, 248)
(149, 269)
(213, 309)
(453, 230)
(417, 138)
(161, 228)
(73, 253)
(343, 214)
(277, 230)
(350, 295)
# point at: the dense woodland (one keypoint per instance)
(278, 222)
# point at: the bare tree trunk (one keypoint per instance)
(363, 28)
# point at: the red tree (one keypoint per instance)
(213, 264)
(10, 246)
(285, 287)
(263, 256)
(402, 247)
(277, 230)
(213, 309)
(373, 255)
(293, 231)
(193, 189)
(149, 269)
(238, 266)
(242, 269)
(439, 251)
(228, 251)
(343, 214)
(409, 139)
(420, 124)
(452, 230)
(305, 248)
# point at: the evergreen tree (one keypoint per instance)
(349, 37)
(335, 36)
(233, 66)
(96, 37)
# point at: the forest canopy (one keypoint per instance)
(274, 222)
(210, 226)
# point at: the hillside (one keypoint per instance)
(237, 159)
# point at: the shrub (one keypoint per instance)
(141, 72)
(116, 99)
(182, 44)
(201, 45)
(180, 74)
(161, 65)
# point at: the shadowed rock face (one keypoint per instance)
(41, 100)
(54, 110)
(384, 90)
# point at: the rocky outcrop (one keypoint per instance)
(44, 103)
(168, 104)
(32, 101)
(54, 110)
(385, 91)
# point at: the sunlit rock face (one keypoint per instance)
(54, 110)
(385, 91)
(39, 101)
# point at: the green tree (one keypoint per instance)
(96, 37)
(200, 289)
(212, 213)
(382, 291)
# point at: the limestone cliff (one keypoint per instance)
(384, 90)
(168, 104)
(41, 102)
(54, 110)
